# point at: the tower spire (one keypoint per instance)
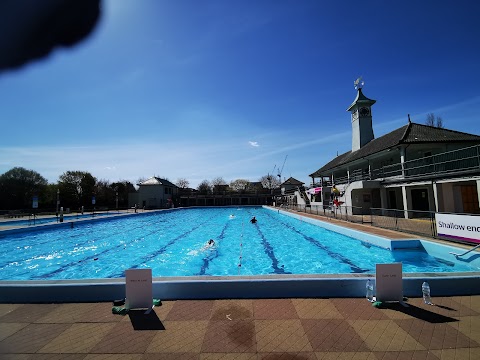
(362, 130)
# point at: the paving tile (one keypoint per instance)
(385, 335)
(281, 336)
(435, 335)
(28, 313)
(333, 335)
(358, 309)
(469, 326)
(345, 355)
(445, 306)
(229, 356)
(172, 356)
(57, 357)
(79, 338)
(472, 302)
(458, 354)
(83, 312)
(6, 308)
(316, 309)
(7, 329)
(179, 337)
(114, 357)
(227, 336)
(31, 338)
(406, 355)
(235, 309)
(190, 310)
(163, 310)
(288, 356)
(124, 339)
(275, 309)
(16, 356)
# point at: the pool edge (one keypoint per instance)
(281, 286)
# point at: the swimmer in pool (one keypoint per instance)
(209, 245)
(253, 220)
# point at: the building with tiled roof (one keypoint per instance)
(155, 193)
(413, 168)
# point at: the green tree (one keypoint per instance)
(18, 186)
(76, 188)
(123, 188)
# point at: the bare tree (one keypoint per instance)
(270, 181)
(182, 183)
(204, 187)
(434, 121)
(239, 184)
(218, 181)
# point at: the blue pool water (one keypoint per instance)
(172, 243)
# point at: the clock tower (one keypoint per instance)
(361, 110)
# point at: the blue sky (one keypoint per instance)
(205, 89)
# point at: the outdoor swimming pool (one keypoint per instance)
(172, 243)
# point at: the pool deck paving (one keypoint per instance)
(329, 328)
(270, 329)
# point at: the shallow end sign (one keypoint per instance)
(458, 227)
(138, 288)
(389, 282)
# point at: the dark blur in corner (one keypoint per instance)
(31, 29)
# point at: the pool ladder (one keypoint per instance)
(465, 253)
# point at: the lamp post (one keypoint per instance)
(116, 200)
(58, 200)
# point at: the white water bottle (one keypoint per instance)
(369, 290)
(426, 293)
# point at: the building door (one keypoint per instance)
(392, 199)
(420, 200)
(470, 199)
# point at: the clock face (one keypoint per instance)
(364, 111)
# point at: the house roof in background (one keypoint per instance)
(412, 133)
(156, 181)
(292, 181)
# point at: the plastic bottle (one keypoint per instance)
(369, 290)
(426, 293)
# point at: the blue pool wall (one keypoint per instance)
(253, 288)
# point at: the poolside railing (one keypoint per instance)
(354, 214)
(410, 221)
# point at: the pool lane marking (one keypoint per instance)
(331, 253)
(160, 251)
(213, 253)
(70, 237)
(92, 257)
(268, 249)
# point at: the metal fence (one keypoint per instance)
(410, 221)
(348, 213)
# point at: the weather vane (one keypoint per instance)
(359, 83)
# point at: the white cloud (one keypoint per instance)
(254, 143)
